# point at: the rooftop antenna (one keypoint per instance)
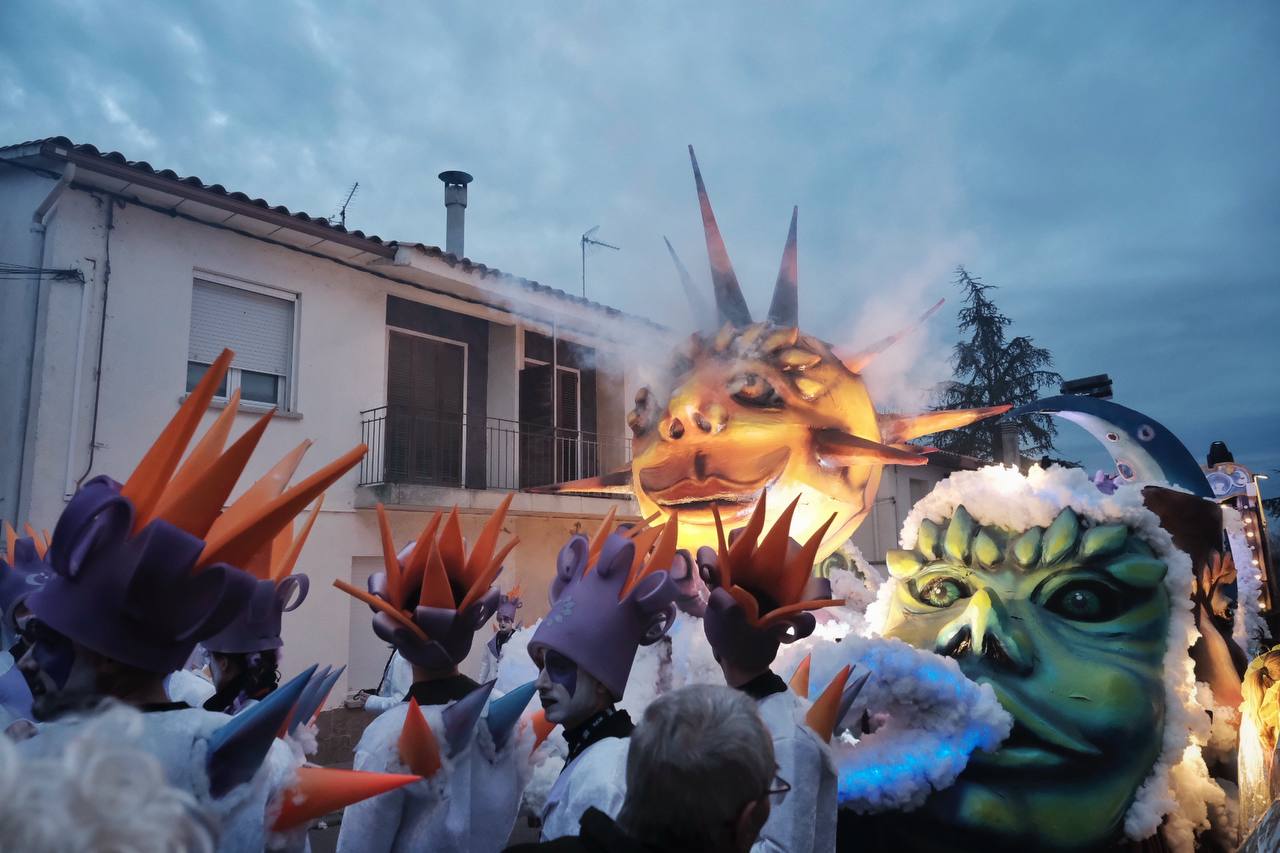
(588, 239)
(341, 218)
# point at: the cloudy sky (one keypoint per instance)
(1112, 167)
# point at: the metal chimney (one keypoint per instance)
(455, 205)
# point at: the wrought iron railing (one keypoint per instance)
(410, 445)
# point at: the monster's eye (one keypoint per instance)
(751, 389)
(1086, 601)
(943, 592)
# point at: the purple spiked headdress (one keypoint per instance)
(256, 628)
(602, 611)
(22, 573)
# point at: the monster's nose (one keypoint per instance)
(683, 415)
(985, 630)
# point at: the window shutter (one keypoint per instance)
(259, 328)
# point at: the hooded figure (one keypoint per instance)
(429, 602)
(609, 597)
(142, 572)
(245, 655)
(504, 625)
(23, 570)
(762, 592)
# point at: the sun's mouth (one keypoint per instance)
(695, 484)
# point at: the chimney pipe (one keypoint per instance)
(455, 205)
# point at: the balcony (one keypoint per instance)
(414, 447)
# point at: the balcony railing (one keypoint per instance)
(409, 445)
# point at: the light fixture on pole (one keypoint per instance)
(588, 239)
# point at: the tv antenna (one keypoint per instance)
(341, 217)
(588, 239)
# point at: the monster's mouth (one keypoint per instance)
(694, 484)
(1035, 742)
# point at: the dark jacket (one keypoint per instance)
(599, 835)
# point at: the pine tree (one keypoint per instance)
(991, 369)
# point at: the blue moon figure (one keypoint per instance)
(1143, 450)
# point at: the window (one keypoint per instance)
(257, 326)
(426, 393)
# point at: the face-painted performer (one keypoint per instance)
(245, 656)
(23, 570)
(1072, 605)
(610, 596)
(429, 602)
(761, 406)
(762, 592)
(143, 571)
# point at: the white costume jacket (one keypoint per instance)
(596, 777)
(805, 822)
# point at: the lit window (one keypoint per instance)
(257, 326)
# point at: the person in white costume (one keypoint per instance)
(609, 597)
(428, 603)
(760, 598)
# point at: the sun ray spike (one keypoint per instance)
(145, 486)
(771, 555)
(208, 448)
(282, 568)
(482, 551)
(196, 507)
(390, 562)
(898, 428)
(822, 714)
(418, 747)
(378, 604)
(601, 534)
(482, 583)
(840, 448)
(240, 542)
(741, 549)
(542, 728)
(267, 487)
(505, 711)
(703, 315)
(856, 362)
(237, 749)
(849, 694)
(452, 549)
(435, 590)
(799, 682)
(784, 310)
(318, 791)
(10, 541)
(616, 482)
(730, 303)
(461, 717)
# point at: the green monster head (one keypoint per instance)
(1068, 625)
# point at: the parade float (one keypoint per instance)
(1056, 661)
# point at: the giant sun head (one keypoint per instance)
(756, 407)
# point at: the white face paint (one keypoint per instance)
(569, 695)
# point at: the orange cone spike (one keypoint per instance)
(10, 541)
(822, 715)
(723, 563)
(740, 551)
(601, 534)
(378, 604)
(283, 566)
(411, 577)
(799, 682)
(390, 564)
(207, 449)
(196, 507)
(542, 728)
(478, 561)
(237, 544)
(267, 488)
(644, 541)
(435, 583)
(418, 747)
(452, 551)
(768, 563)
(35, 539)
(148, 480)
(482, 584)
(321, 790)
(664, 551)
(800, 567)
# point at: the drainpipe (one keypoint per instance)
(26, 412)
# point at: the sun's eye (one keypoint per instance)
(751, 389)
(943, 592)
(1086, 601)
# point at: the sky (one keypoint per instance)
(1112, 168)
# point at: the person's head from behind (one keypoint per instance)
(700, 772)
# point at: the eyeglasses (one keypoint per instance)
(778, 790)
